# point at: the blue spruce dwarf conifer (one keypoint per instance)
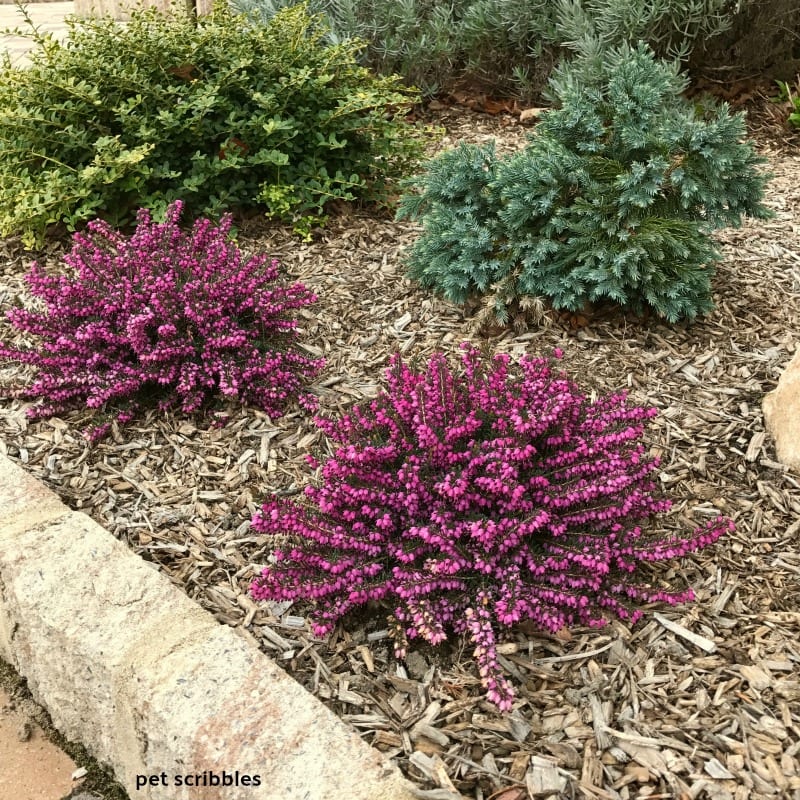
(614, 198)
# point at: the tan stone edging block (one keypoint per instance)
(150, 682)
(24, 502)
(781, 408)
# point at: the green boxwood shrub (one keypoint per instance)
(614, 198)
(222, 114)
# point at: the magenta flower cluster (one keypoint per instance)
(469, 500)
(163, 315)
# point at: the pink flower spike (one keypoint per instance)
(180, 318)
(467, 500)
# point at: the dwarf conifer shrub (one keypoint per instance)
(614, 198)
(466, 501)
(222, 114)
(163, 316)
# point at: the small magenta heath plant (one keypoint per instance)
(467, 501)
(164, 316)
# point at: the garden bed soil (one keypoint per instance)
(702, 700)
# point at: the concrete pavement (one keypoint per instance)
(33, 768)
(48, 18)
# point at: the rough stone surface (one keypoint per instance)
(24, 502)
(782, 414)
(151, 683)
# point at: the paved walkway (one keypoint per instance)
(33, 768)
(48, 17)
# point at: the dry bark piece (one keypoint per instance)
(543, 778)
(698, 641)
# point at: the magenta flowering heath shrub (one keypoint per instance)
(467, 501)
(164, 316)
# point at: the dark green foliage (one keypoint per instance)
(614, 197)
(225, 114)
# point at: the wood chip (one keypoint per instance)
(758, 678)
(717, 771)
(543, 778)
(698, 641)
(433, 767)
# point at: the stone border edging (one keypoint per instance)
(150, 682)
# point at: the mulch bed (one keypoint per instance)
(698, 701)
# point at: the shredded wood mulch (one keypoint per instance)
(698, 701)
